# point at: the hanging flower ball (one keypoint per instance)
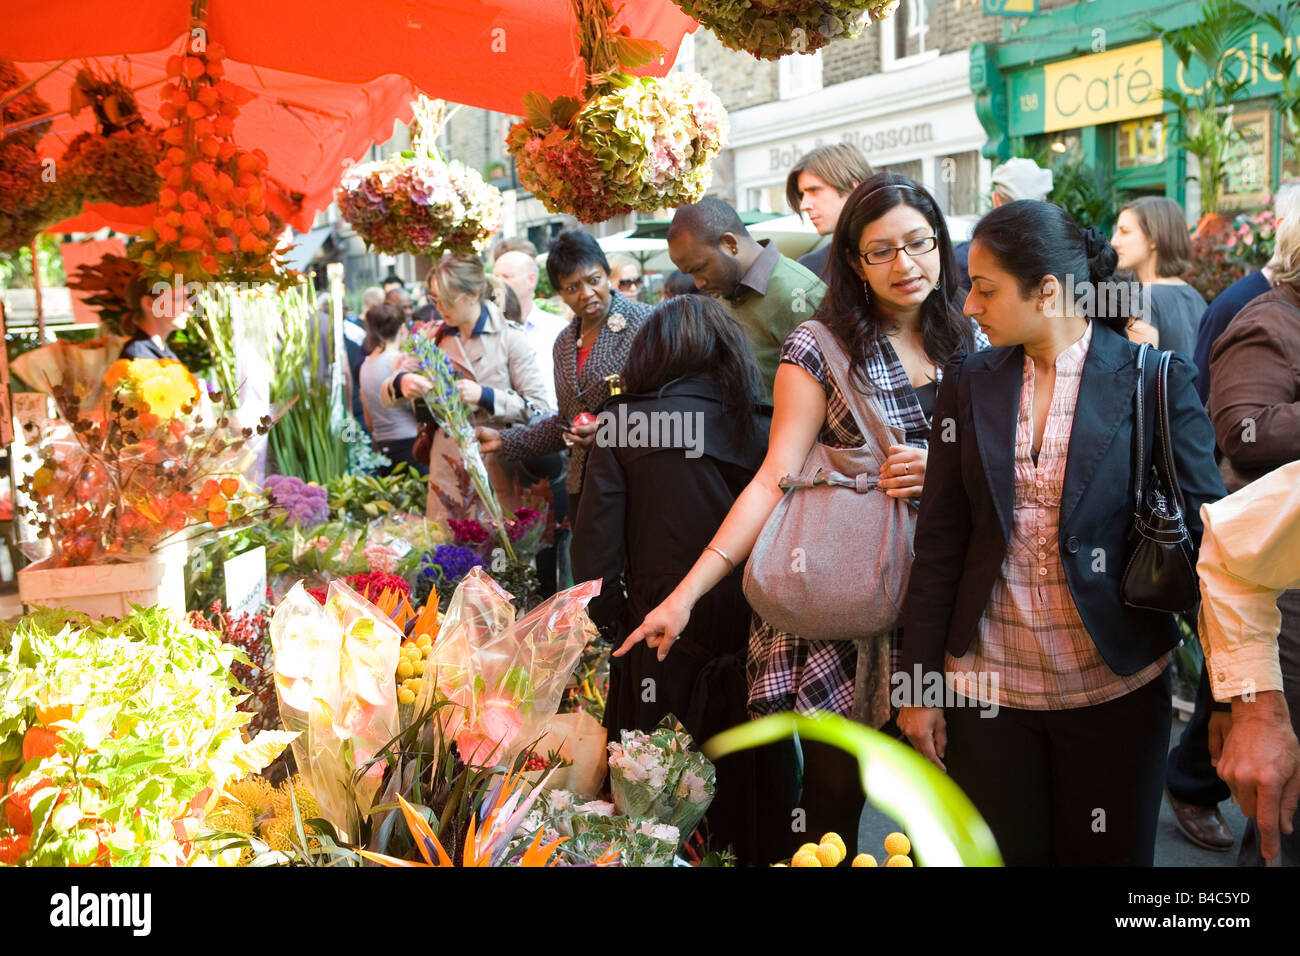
(420, 205)
(639, 143)
(771, 29)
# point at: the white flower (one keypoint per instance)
(599, 807)
(617, 322)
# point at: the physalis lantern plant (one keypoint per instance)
(212, 217)
(152, 459)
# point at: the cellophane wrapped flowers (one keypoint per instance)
(638, 143)
(149, 460)
(334, 668)
(657, 776)
(506, 677)
(775, 28)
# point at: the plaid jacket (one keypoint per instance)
(577, 392)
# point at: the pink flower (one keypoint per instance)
(490, 738)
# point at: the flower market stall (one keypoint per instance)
(243, 647)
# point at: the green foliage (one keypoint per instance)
(945, 827)
(1207, 129)
(305, 441)
(153, 722)
(1284, 59)
(363, 499)
(1083, 191)
(16, 267)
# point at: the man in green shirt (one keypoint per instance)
(767, 293)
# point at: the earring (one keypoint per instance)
(866, 291)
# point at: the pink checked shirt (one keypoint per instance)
(1031, 634)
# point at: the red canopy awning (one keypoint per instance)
(329, 76)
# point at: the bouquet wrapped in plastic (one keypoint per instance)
(597, 835)
(505, 676)
(334, 669)
(657, 776)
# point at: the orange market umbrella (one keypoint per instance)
(329, 76)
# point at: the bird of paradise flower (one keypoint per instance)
(489, 845)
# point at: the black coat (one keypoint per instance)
(966, 512)
(645, 517)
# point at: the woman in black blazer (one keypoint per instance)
(1056, 718)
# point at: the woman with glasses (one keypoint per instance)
(587, 355)
(625, 274)
(888, 308)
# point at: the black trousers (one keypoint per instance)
(1079, 787)
(805, 790)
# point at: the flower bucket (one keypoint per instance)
(109, 590)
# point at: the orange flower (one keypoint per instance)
(229, 487)
(218, 518)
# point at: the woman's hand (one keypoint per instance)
(415, 386)
(470, 391)
(660, 628)
(927, 731)
(903, 473)
(584, 436)
(489, 439)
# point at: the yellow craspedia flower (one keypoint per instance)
(828, 854)
(805, 858)
(807, 848)
(864, 859)
(834, 839)
(897, 844)
(898, 860)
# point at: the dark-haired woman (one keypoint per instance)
(1057, 721)
(1152, 242)
(393, 427)
(888, 313)
(593, 348)
(650, 506)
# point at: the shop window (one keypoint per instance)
(1141, 142)
(1249, 173)
(767, 199)
(799, 73)
(685, 62)
(905, 37)
(911, 169)
(958, 183)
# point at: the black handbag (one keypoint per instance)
(1160, 573)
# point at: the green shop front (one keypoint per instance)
(1087, 78)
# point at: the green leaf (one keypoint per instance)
(633, 53)
(263, 749)
(944, 826)
(537, 110)
(564, 109)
